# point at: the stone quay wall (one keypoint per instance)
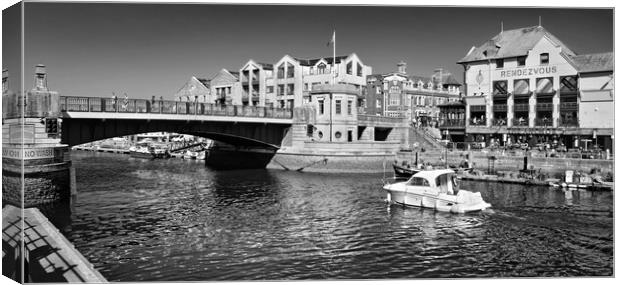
(550, 165)
(42, 184)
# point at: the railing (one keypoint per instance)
(500, 108)
(569, 106)
(380, 119)
(498, 122)
(452, 123)
(477, 122)
(94, 104)
(523, 122)
(544, 122)
(521, 107)
(568, 122)
(544, 106)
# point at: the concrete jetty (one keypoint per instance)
(48, 255)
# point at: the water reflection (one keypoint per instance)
(177, 220)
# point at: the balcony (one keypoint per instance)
(500, 108)
(521, 122)
(452, 123)
(568, 123)
(544, 122)
(521, 108)
(477, 122)
(544, 107)
(499, 122)
(569, 106)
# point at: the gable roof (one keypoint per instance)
(513, 43)
(595, 62)
(204, 81)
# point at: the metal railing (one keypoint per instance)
(569, 106)
(543, 122)
(477, 122)
(498, 122)
(523, 122)
(544, 106)
(95, 104)
(452, 123)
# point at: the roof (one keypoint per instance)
(267, 66)
(417, 78)
(448, 79)
(432, 174)
(596, 62)
(204, 81)
(234, 73)
(312, 62)
(512, 43)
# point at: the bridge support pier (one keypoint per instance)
(36, 168)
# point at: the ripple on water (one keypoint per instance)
(178, 220)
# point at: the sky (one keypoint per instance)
(94, 49)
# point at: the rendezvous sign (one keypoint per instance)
(28, 153)
(530, 71)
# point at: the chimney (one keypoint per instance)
(40, 77)
(402, 67)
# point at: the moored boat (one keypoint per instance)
(407, 171)
(436, 189)
(140, 152)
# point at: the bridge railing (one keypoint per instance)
(96, 104)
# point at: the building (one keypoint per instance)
(397, 94)
(525, 85)
(285, 84)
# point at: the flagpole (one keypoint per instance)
(334, 62)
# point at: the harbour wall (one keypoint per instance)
(483, 161)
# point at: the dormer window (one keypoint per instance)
(499, 63)
(544, 58)
(521, 61)
(321, 68)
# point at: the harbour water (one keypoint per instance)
(147, 220)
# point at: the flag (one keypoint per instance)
(333, 39)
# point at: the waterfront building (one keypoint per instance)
(225, 88)
(416, 98)
(525, 85)
(194, 90)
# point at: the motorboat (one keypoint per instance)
(435, 189)
(201, 155)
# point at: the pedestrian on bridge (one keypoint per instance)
(114, 100)
(125, 102)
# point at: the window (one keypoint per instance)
(290, 89)
(309, 130)
(500, 87)
(359, 70)
(290, 70)
(321, 106)
(280, 89)
(311, 69)
(378, 103)
(394, 99)
(378, 89)
(350, 68)
(544, 58)
(305, 86)
(321, 67)
(499, 62)
(269, 89)
(521, 61)
(568, 84)
(337, 135)
(338, 107)
(418, 181)
(350, 107)
(315, 84)
(281, 71)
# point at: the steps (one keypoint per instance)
(424, 139)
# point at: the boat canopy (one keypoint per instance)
(434, 178)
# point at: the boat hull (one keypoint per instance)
(137, 154)
(469, 202)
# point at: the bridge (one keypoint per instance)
(87, 119)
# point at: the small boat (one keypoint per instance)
(201, 155)
(140, 152)
(436, 189)
(406, 172)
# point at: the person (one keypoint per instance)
(125, 102)
(521, 120)
(114, 100)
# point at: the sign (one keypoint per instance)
(28, 153)
(531, 71)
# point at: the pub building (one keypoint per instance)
(526, 86)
